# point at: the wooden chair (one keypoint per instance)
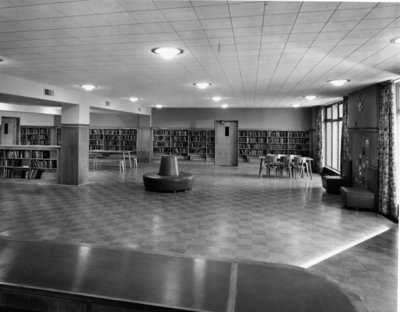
(287, 165)
(299, 165)
(271, 163)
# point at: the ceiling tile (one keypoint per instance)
(212, 11)
(313, 17)
(217, 23)
(306, 28)
(277, 29)
(384, 12)
(151, 16)
(180, 14)
(104, 6)
(162, 4)
(193, 34)
(187, 25)
(130, 29)
(246, 9)
(219, 33)
(118, 18)
(130, 5)
(349, 15)
(248, 31)
(340, 26)
(241, 22)
(280, 19)
(282, 7)
(374, 24)
(153, 28)
(319, 6)
(72, 8)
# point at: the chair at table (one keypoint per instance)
(299, 165)
(287, 165)
(271, 163)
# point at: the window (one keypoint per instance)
(332, 119)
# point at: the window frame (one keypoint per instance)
(335, 155)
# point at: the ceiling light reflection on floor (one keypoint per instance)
(336, 251)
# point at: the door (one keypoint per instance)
(226, 143)
(9, 131)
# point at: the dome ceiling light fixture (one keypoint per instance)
(133, 99)
(296, 105)
(202, 85)
(339, 82)
(216, 98)
(88, 87)
(224, 106)
(395, 40)
(167, 53)
(159, 106)
(310, 97)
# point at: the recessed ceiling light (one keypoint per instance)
(338, 83)
(167, 52)
(224, 105)
(395, 40)
(216, 98)
(133, 99)
(159, 106)
(202, 85)
(296, 105)
(310, 97)
(88, 87)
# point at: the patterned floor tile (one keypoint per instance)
(230, 213)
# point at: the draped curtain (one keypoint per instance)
(345, 154)
(387, 204)
(318, 156)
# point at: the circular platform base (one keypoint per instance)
(158, 183)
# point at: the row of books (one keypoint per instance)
(28, 154)
(25, 130)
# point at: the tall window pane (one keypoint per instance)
(340, 143)
(329, 144)
(329, 112)
(334, 112)
(335, 145)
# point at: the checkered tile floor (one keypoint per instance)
(230, 213)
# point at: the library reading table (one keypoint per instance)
(50, 276)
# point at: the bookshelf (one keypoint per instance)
(190, 143)
(35, 135)
(27, 160)
(262, 142)
(104, 139)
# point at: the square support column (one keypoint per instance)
(74, 153)
(144, 144)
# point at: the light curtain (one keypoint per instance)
(387, 204)
(318, 156)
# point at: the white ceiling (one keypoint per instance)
(256, 54)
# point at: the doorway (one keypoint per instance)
(226, 142)
(9, 131)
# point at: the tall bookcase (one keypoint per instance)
(121, 139)
(190, 143)
(262, 142)
(15, 159)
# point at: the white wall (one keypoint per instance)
(30, 119)
(118, 121)
(249, 118)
